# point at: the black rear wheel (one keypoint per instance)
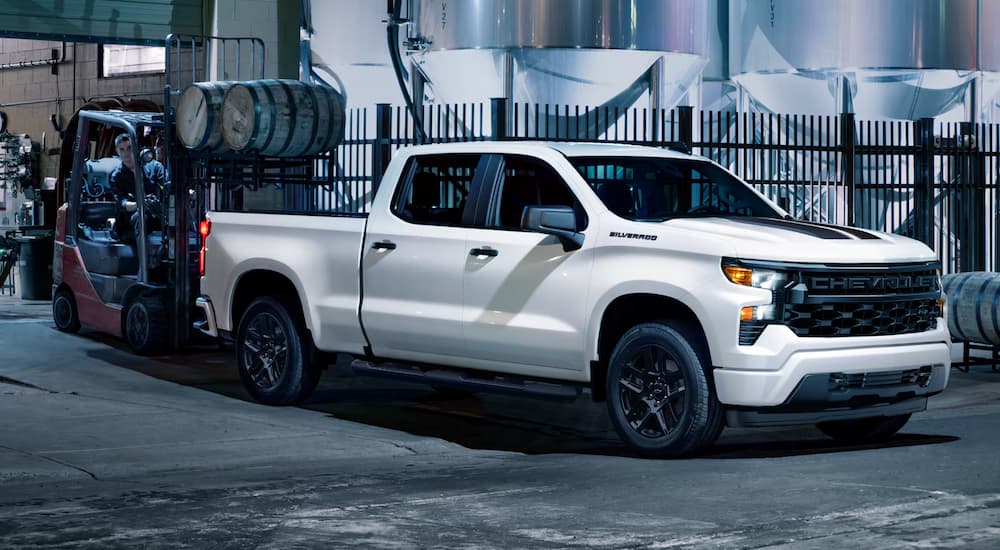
(64, 311)
(274, 354)
(659, 396)
(146, 326)
(864, 430)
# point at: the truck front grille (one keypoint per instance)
(862, 318)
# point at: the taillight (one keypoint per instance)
(204, 228)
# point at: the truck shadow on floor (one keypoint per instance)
(504, 423)
(480, 421)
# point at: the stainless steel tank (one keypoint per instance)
(566, 52)
(989, 51)
(885, 59)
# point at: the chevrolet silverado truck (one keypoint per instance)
(655, 279)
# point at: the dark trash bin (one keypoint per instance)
(35, 266)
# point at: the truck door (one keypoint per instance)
(525, 297)
(414, 256)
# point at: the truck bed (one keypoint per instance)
(320, 255)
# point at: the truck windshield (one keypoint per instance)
(657, 189)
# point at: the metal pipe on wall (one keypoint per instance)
(38, 62)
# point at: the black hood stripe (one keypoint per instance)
(859, 233)
(811, 229)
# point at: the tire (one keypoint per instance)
(654, 365)
(64, 313)
(146, 326)
(274, 354)
(864, 430)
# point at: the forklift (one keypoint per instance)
(138, 283)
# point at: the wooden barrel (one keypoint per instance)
(973, 306)
(282, 118)
(199, 116)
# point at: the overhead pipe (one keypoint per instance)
(392, 39)
(306, 32)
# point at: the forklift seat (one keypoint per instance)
(102, 253)
(106, 256)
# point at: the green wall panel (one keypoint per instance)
(122, 21)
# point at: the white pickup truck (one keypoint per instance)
(654, 278)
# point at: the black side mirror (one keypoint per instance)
(553, 220)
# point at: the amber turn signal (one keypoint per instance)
(747, 313)
(739, 275)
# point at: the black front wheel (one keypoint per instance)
(64, 312)
(274, 354)
(659, 396)
(864, 430)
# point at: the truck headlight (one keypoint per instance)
(756, 277)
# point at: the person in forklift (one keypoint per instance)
(122, 180)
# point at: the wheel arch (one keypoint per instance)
(628, 310)
(62, 285)
(258, 282)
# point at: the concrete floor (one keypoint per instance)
(103, 449)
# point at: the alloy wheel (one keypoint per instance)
(653, 392)
(265, 350)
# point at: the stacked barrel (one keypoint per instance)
(973, 306)
(280, 118)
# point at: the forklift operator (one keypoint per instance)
(122, 180)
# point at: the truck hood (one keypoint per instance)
(792, 240)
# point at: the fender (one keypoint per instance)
(639, 286)
(269, 264)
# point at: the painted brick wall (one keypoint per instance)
(31, 95)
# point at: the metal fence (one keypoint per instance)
(936, 182)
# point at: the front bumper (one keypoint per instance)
(841, 395)
(773, 387)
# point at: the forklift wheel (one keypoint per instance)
(64, 311)
(146, 327)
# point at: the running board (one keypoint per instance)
(438, 376)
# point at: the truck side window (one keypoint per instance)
(531, 182)
(438, 189)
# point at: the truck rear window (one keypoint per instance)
(437, 190)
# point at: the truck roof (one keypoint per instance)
(567, 148)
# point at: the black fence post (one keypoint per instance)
(923, 184)
(969, 172)
(498, 117)
(848, 152)
(382, 146)
(685, 125)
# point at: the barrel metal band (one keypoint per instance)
(996, 314)
(292, 115)
(206, 136)
(979, 313)
(272, 111)
(315, 121)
